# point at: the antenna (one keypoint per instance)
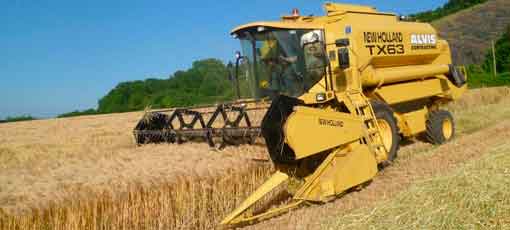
(295, 12)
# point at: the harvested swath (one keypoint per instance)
(473, 196)
(397, 178)
(478, 97)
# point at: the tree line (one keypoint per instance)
(18, 118)
(206, 82)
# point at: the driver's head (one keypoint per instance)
(313, 49)
(311, 43)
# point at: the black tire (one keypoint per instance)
(436, 133)
(384, 112)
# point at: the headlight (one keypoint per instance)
(320, 97)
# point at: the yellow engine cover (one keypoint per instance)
(309, 131)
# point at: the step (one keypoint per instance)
(360, 104)
(367, 118)
(378, 146)
(373, 131)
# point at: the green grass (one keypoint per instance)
(475, 196)
(505, 75)
(479, 79)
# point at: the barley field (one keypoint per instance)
(87, 173)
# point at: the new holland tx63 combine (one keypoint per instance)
(344, 89)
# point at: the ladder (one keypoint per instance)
(371, 131)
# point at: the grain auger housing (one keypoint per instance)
(346, 87)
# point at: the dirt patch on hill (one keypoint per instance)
(470, 31)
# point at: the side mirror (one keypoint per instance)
(239, 57)
(343, 58)
(343, 42)
(343, 52)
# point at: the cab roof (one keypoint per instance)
(277, 25)
(310, 22)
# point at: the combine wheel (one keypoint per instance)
(388, 128)
(440, 127)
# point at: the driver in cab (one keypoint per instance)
(314, 57)
(283, 75)
(278, 66)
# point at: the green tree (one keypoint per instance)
(204, 83)
(78, 113)
(18, 118)
(502, 47)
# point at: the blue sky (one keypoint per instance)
(58, 56)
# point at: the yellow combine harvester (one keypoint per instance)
(345, 88)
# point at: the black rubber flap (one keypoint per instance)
(456, 77)
(272, 128)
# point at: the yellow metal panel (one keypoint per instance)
(415, 122)
(342, 8)
(275, 180)
(393, 94)
(385, 42)
(382, 76)
(341, 171)
(453, 92)
(309, 131)
(445, 57)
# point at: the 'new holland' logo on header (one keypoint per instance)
(423, 39)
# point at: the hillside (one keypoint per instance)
(470, 31)
(451, 7)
